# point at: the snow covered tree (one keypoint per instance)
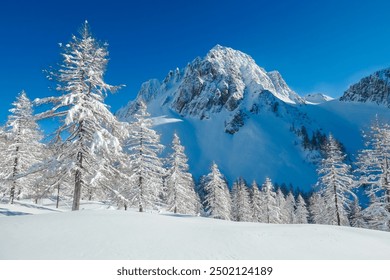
(373, 169)
(256, 203)
(281, 204)
(144, 168)
(301, 213)
(270, 206)
(317, 208)
(91, 133)
(241, 208)
(4, 188)
(217, 199)
(181, 196)
(356, 216)
(22, 150)
(336, 182)
(289, 209)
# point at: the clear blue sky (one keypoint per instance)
(316, 45)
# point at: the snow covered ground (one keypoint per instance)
(29, 232)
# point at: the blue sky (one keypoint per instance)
(318, 46)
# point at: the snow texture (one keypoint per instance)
(132, 235)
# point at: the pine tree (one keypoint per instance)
(270, 206)
(217, 199)
(181, 196)
(91, 133)
(241, 208)
(301, 213)
(256, 203)
(144, 168)
(336, 182)
(317, 209)
(289, 208)
(22, 151)
(374, 174)
(356, 216)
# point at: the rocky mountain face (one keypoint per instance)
(225, 79)
(374, 88)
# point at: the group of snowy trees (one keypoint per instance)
(92, 155)
(336, 202)
(249, 204)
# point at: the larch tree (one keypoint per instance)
(256, 203)
(373, 171)
(144, 167)
(241, 208)
(217, 198)
(22, 151)
(317, 208)
(89, 135)
(272, 213)
(336, 182)
(301, 213)
(180, 196)
(289, 208)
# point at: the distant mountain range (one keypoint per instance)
(249, 121)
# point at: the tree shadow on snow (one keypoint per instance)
(7, 212)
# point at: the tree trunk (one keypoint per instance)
(337, 206)
(58, 196)
(14, 173)
(141, 209)
(77, 184)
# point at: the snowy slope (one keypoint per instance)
(105, 234)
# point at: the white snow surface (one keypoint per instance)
(114, 234)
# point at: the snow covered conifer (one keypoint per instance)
(270, 205)
(374, 173)
(217, 199)
(336, 182)
(289, 209)
(301, 213)
(22, 149)
(181, 196)
(317, 208)
(256, 203)
(241, 208)
(144, 167)
(91, 132)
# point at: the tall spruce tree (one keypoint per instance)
(217, 198)
(241, 208)
(256, 203)
(144, 168)
(271, 210)
(336, 183)
(21, 151)
(89, 133)
(181, 196)
(301, 213)
(373, 170)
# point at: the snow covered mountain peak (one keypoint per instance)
(224, 80)
(317, 98)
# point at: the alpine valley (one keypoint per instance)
(228, 110)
